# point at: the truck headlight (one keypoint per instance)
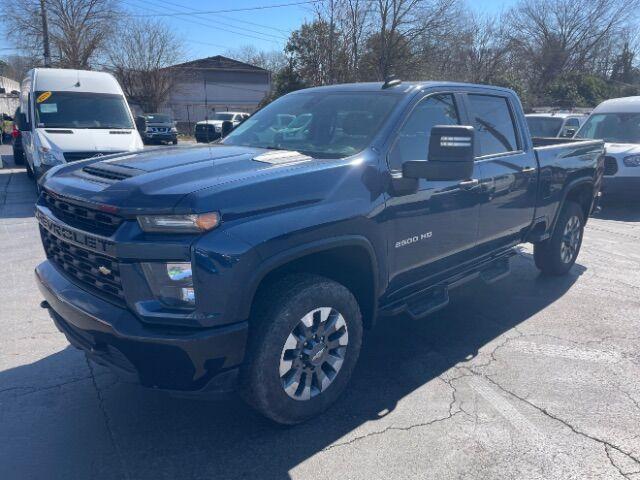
(50, 157)
(174, 130)
(632, 161)
(192, 223)
(171, 283)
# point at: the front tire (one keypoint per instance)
(557, 255)
(304, 342)
(18, 156)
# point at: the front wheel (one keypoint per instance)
(18, 156)
(305, 339)
(557, 255)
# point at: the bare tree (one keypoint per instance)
(353, 20)
(272, 60)
(141, 59)
(563, 36)
(79, 30)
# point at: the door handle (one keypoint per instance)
(468, 184)
(528, 169)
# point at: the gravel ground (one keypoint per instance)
(529, 377)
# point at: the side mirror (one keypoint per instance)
(227, 126)
(450, 157)
(23, 124)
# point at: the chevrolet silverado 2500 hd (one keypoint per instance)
(257, 262)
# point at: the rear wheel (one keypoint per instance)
(304, 343)
(557, 255)
(29, 171)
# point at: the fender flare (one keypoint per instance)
(578, 182)
(269, 264)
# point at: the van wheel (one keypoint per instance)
(304, 342)
(29, 171)
(18, 157)
(556, 255)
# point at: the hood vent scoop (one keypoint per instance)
(119, 132)
(110, 171)
(58, 131)
(282, 157)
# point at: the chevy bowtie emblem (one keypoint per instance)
(104, 270)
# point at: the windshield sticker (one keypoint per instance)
(49, 108)
(43, 97)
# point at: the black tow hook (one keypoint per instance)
(45, 304)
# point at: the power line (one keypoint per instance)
(193, 10)
(230, 10)
(209, 25)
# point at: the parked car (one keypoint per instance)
(16, 141)
(70, 115)
(617, 122)
(157, 128)
(258, 262)
(555, 124)
(210, 130)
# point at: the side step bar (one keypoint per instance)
(428, 300)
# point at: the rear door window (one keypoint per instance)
(494, 125)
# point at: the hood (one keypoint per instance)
(87, 139)
(156, 180)
(622, 149)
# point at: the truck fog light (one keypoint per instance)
(171, 283)
(188, 295)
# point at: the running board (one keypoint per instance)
(428, 300)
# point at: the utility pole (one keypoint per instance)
(45, 34)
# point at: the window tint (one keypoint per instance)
(413, 138)
(492, 120)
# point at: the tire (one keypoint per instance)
(18, 157)
(175, 142)
(556, 255)
(278, 318)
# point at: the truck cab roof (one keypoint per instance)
(402, 88)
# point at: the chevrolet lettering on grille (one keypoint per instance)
(74, 236)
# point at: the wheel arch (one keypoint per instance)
(358, 271)
(579, 191)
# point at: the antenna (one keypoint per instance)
(391, 81)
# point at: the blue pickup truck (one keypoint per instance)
(257, 262)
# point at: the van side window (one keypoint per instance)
(492, 119)
(413, 139)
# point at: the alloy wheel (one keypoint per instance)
(313, 353)
(570, 239)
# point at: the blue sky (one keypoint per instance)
(266, 29)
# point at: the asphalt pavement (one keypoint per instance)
(530, 377)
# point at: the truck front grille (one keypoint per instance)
(98, 273)
(610, 166)
(83, 218)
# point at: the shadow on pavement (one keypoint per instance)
(620, 209)
(156, 436)
(17, 191)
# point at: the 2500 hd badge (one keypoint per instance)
(96, 244)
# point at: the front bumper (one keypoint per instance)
(623, 186)
(180, 360)
(204, 137)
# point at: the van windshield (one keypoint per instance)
(612, 127)
(81, 110)
(321, 125)
(223, 116)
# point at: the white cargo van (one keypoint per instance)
(70, 115)
(617, 122)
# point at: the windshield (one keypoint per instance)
(327, 125)
(223, 116)
(544, 126)
(612, 127)
(158, 118)
(81, 110)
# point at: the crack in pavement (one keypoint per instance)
(32, 390)
(450, 415)
(107, 421)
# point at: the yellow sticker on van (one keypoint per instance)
(43, 96)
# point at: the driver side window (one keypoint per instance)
(413, 139)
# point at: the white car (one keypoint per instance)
(617, 122)
(70, 115)
(208, 130)
(555, 124)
